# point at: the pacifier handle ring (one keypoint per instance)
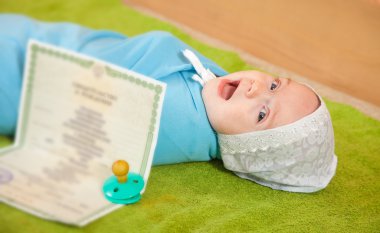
(120, 169)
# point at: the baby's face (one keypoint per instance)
(248, 101)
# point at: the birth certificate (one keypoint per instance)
(78, 115)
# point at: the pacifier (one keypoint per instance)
(123, 187)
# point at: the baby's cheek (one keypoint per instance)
(226, 122)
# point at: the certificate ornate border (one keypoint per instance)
(36, 48)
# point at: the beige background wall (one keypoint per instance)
(335, 42)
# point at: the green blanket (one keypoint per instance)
(183, 198)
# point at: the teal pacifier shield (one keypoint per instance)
(124, 193)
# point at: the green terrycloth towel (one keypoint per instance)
(182, 198)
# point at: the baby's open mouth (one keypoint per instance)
(228, 88)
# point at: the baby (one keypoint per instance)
(274, 131)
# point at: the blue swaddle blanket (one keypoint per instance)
(185, 133)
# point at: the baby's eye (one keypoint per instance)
(274, 84)
(262, 114)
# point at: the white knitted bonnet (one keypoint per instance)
(297, 157)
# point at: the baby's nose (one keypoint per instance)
(253, 89)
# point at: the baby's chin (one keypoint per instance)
(212, 82)
(210, 89)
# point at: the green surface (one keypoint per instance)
(204, 197)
